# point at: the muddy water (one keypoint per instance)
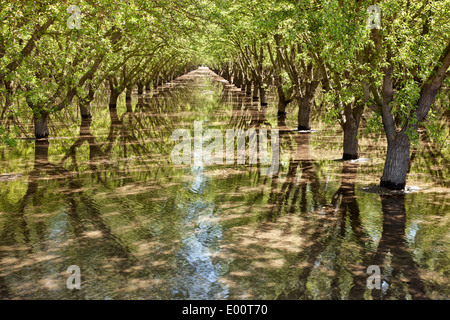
(106, 196)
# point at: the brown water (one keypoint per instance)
(105, 196)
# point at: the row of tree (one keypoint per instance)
(303, 50)
(47, 64)
(392, 61)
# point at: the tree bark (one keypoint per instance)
(350, 127)
(128, 93)
(350, 141)
(248, 86)
(85, 104)
(40, 124)
(140, 87)
(85, 110)
(256, 89)
(397, 162)
(113, 99)
(263, 96)
(238, 80)
(305, 104)
(148, 86)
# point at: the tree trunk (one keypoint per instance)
(243, 81)
(113, 99)
(256, 89)
(148, 86)
(85, 104)
(40, 124)
(140, 87)
(248, 87)
(350, 140)
(397, 162)
(263, 96)
(305, 104)
(282, 101)
(350, 127)
(238, 80)
(304, 111)
(85, 110)
(128, 93)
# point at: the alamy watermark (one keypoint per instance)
(374, 20)
(212, 153)
(74, 281)
(374, 281)
(74, 21)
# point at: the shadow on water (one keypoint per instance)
(400, 276)
(197, 272)
(110, 200)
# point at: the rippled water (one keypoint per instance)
(106, 196)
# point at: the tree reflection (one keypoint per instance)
(400, 276)
(140, 227)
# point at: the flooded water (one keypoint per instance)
(106, 196)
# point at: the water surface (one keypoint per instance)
(105, 195)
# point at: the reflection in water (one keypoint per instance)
(109, 200)
(198, 275)
(392, 253)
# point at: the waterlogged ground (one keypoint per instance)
(106, 196)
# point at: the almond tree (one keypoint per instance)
(410, 59)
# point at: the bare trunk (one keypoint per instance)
(148, 86)
(85, 110)
(350, 141)
(140, 87)
(243, 81)
(238, 80)
(263, 96)
(282, 101)
(305, 105)
(256, 89)
(304, 111)
(248, 87)
(128, 93)
(40, 124)
(113, 99)
(397, 162)
(129, 106)
(282, 109)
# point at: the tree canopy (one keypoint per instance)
(52, 54)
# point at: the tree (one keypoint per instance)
(411, 53)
